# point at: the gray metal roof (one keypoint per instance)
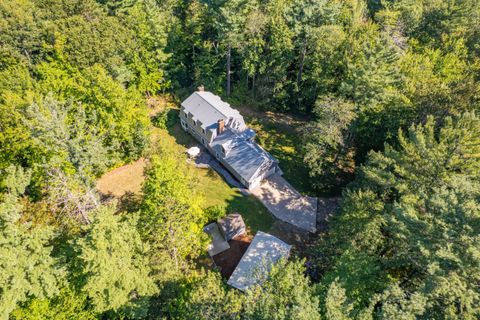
(256, 263)
(244, 156)
(209, 108)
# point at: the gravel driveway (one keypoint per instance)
(286, 203)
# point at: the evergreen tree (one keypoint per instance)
(111, 263)
(171, 215)
(27, 267)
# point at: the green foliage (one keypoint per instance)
(210, 299)
(67, 305)
(171, 216)
(111, 262)
(27, 268)
(286, 294)
(413, 220)
(165, 119)
(328, 149)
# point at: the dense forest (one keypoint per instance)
(390, 93)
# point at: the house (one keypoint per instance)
(256, 263)
(222, 130)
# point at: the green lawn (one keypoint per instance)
(217, 192)
(281, 140)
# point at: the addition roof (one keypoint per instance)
(243, 155)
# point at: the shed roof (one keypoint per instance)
(232, 226)
(209, 108)
(256, 263)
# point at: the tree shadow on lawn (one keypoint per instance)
(181, 137)
(254, 214)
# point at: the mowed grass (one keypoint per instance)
(216, 191)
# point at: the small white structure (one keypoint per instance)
(193, 152)
(218, 244)
(256, 263)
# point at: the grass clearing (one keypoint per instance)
(216, 191)
(127, 179)
(280, 139)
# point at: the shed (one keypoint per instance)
(218, 244)
(232, 226)
(264, 251)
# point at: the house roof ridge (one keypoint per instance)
(203, 98)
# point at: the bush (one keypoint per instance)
(165, 119)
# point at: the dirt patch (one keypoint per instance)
(286, 120)
(325, 209)
(228, 260)
(123, 181)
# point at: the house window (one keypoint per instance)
(218, 156)
(194, 123)
(185, 114)
(203, 131)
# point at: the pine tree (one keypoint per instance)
(27, 268)
(111, 263)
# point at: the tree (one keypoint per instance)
(27, 267)
(286, 294)
(414, 209)
(111, 263)
(328, 148)
(210, 299)
(171, 215)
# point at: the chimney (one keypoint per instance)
(201, 88)
(221, 126)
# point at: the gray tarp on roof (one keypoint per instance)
(257, 261)
(232, 226)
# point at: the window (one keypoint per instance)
(185, 114)
(218, 156)
(203, 131)
(194, 123)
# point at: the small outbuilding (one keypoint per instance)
(264, 251)
(232, 226)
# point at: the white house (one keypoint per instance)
(222, 130)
